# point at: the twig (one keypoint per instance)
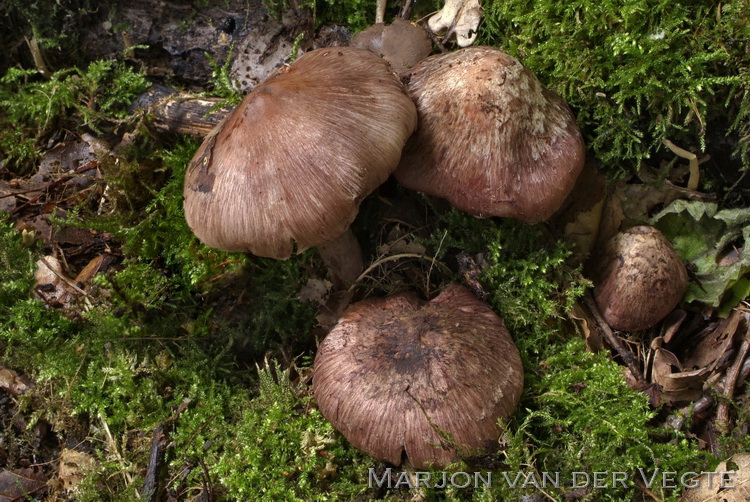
(406, 9)
(87, 167)
(66, 280)
(614, 342)
(112, 445)
(722, 413)
(646, 491)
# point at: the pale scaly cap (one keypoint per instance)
(491, 139)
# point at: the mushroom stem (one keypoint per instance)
(695, 173)
(380, 11)
(344, 259)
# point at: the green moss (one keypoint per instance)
(635, 71)
(285, 450)
(94, 98)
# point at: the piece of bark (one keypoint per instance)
(172, 112)
(150, 490)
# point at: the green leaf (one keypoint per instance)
(702, 235)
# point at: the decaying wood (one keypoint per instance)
(160, 439)
(172, 112)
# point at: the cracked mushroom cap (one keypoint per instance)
(289, 167)
(403, 378)
(491, 139)
(638, 279)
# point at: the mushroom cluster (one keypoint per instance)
(287, 169)
(428, 381)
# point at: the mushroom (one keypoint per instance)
(288, 168)
(638, 279)
(491, 139)
(402, 43)
(429, 381)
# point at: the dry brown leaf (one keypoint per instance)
(581, 217)
(586, 324)
(667, 371)
(90, 270)
(612, 217)
(681, 374)
(52, 285)
(13, 382)
(73, 467)
(315, 290)
(17, 484)
(730, 482)
(401, 246)
(707, 349)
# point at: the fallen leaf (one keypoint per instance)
(581, 218)
(729, 482)
(678, 386)
(315, 291)
(13, 382)
(587, 326)
(73, 468)
(51, 283)
(17, 484)
(682, 375)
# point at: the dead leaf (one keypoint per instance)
(677, 385)
(682, 371)
(708, 348)
(17, 484)
(729, 482)
(13, 382)
(51, 283)
(315, 290)
(401, 246)
(581, 217)
(587, 326)
(73, 468)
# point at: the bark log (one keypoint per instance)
(172, 112)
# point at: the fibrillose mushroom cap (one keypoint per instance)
(491, 139)
(291, 164)
(638, 279)
(396, 373)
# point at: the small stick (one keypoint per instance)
(695, 173)
(722, 413)
(406, 9)
(614, 342)
(65, 177)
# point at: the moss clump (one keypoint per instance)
(635, 71)
(285, 450)
(95, 98)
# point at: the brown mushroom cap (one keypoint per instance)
(396, 374)
(491, 139)
(295, 158)
(402, 43)
(638, 279)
